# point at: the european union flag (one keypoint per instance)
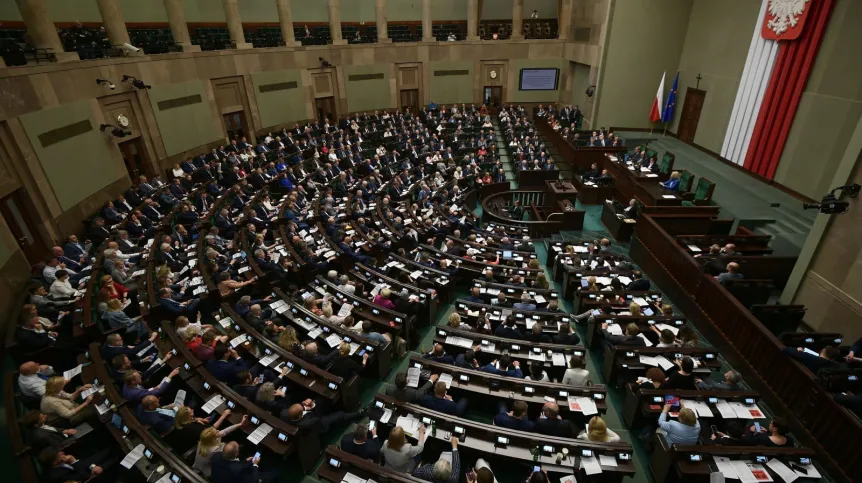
(667, 113)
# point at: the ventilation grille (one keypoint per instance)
(61, 134)
(179, 102)
(281, 86)
(441, 73)
(364, 77)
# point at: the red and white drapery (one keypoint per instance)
(784, 46)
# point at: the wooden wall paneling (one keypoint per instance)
(128, 104)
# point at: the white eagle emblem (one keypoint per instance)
(785, 14)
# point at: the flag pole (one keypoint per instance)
(665, 130)
(651, 126)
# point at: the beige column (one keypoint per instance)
(112, 20)
(40, 28)
(427, 33)
(285, 19)
(335, 23)
(564, 22)
(472, 19)
(234, 23)
(518, 20)
(179, 28)
(382, 27)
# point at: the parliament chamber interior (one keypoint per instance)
(553, 240)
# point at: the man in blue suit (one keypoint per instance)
(227, 364)
(515, 419)
(188, 308)
(158, 419)
(440, 401)
(134, 391)
(438, 354)
(75, 250)
(506, 367)
(114, 346)
(344, 245)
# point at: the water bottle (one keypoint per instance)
(433, 428)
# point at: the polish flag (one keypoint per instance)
(655, 110)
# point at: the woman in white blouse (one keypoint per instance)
(177, 171)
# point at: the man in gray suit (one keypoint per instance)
(410, 394)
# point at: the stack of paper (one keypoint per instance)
(587, 406)
(536, 356)
(607, 460)
(446, 378)
(133, 456)
(746, 412)
(351, 478)
(181, 398)
(213, 403)
(591, 465)
(558, 360)
(268, 360)
(725, 410)
(459, 341)
(782, 470)
(663, 362)
(413, 377)
(238, 340)
(701, 408)
(725, 467)
(334, 340)
(258, 434)
(409, 424)
(650, 361)
(386, 417)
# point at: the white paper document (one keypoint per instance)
(650, 361)
(334, 340)
(646, 341)
(266, 361)
(668, 327)
(258, 434)
(446, 378)
(387, 416)
(181, 398)
(588, 406)
(413, 377)
(725, 410)
(607, 460)
(663, 362)
(743, 472)
(724, 466)
(213, 403)
(351, 478)
(694, 248)
(133, 456)
(71, 373)
(591, 465)
(782, 470)
(409, 424)
(615, 329)
(668, 197)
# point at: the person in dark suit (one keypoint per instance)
(515, 419)
(639, 283)
(440, 401)
(360, 445)
(59, 467)
(43, 435)
(226, 365)
(566, 336)
(228, 468)
(827, 357)
(630, 338)
(438, 354)
(402, 393)
(308, 417)
(311, 354)
(517, 211)
(149, 414)
(591, 173)
(509, 330)
(552, 425)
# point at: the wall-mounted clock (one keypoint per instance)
(493, 74)
(123, 121)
